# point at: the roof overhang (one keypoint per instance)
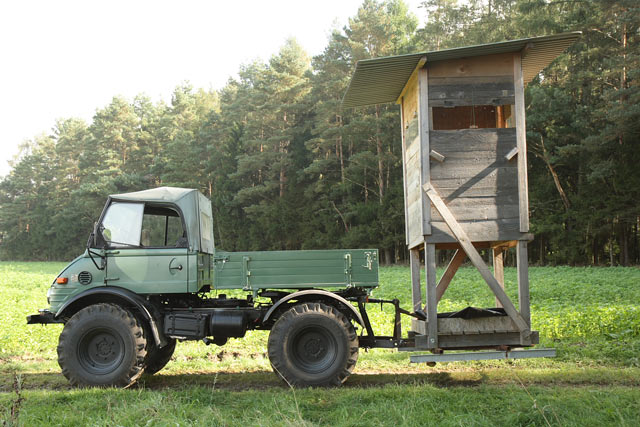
(381, 80)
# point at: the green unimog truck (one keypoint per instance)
(151, 275)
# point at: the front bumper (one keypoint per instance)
(45, 317)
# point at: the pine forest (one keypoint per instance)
(286, 167)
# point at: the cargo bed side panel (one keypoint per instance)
(296, 269)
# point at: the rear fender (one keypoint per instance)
(120, 296)
(314, 294)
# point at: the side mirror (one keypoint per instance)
(95, 238)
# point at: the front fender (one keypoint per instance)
(117, 295)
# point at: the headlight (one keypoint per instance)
(48, 296)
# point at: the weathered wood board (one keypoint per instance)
(413, 181)
(479, 66)
(463, 91)
(478, 183)
(410, 101)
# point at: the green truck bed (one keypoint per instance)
(296, 269)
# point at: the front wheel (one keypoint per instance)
(313, 344)
(102, 345)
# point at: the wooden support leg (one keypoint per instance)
(432, 302)
(477, 261)
(498, 269)
(453, 266)
(523, 281)
(416, 291)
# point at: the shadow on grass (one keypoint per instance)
(260, 380)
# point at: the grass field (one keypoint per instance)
(590, 315)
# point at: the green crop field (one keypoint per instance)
(590, 315)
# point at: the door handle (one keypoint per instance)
(173, 267)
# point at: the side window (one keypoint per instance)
(162, 228)
(472, 117)
(121, 224)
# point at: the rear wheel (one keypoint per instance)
(313, 344)
(157, 358)
(102, 345)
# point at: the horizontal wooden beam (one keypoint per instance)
(511, 154)
(436, 156)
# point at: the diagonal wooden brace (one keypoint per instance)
(476, 259)
(448, 274)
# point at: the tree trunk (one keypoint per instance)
(556, 180)
(387, 256)
(283, 179)
(624, 256)
(611, 240)
(366, 190)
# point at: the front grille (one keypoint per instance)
(85, 277)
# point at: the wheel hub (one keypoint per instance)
(100, 351)
(313, 349)
(103, 348)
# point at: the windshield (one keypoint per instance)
(122, 224)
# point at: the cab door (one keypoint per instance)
(148, 271)
(147, 252)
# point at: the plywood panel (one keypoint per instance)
(412, 150)
(404, 176)
(488, 65)
(413, 195)
(414, 221)
(425, 147)
(410, 101)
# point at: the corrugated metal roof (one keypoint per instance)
(380, 80)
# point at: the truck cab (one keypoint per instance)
(157, 241)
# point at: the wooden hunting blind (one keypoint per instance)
(465, 174)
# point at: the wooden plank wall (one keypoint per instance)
(480, 66)
(463, 91)
(477, 182)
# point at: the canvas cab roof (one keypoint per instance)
(193, 205)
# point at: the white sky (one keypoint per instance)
(63, 58)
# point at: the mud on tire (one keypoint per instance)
(313, 344)
(102, 345)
